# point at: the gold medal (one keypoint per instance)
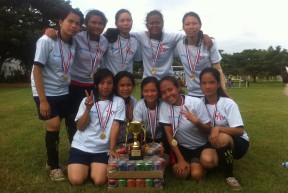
(174, 142)
(192, 77)
(65, 78)
(153, 71)
(102, 135)
(92, 75)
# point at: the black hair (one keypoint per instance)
(96, 12)
(150, 79)
(117, 15)
(215, 73)
(192, 14)
(171, 79)
(119, 76)
(154, 12)
(98, 77)
(65, 12)
(111, 34)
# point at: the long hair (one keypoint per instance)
(215, 73)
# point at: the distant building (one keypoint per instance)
(9, 67)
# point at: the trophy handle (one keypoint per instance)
(144, 126)
(127, 125)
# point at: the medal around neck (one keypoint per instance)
(65, 78)
(192, 77)
(92, 75)
(174, 142)
(154, 71)
(102, 136)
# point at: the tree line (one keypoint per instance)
(22, 22)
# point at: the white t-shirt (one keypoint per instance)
(141, 113)
(227, 114)
(187, 135)
(48, 55)
(205, 59)
(89, 140)
(82, 68)
(120, 55)
(161, 52)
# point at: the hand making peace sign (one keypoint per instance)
(89, 102)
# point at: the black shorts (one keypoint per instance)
(193, 156)
(59, 106)
(240, 147)
(76, 95)
(85, 158)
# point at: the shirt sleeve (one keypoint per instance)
(137, 112)
(164, 116)
(120, 113)
(42, 50)
(81, 110)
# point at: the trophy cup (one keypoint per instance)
(136, 128)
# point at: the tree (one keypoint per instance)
(21, 24)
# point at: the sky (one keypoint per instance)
(236, 25)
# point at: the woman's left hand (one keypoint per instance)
(189, 115)
(214, 137)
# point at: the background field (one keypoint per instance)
(263, 107)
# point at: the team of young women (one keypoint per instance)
(197, 131)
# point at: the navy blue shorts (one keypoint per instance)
(76, 95)
(193, 156)
(59, 106)
(240, 147)
(80, 157)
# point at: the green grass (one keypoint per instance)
(264, 110)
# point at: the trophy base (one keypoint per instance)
(135, 155)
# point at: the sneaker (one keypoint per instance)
(233, 183)
(61, 166)
(57, 175)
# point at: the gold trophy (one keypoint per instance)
(136, 128)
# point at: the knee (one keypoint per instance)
(99, 181)
(225, 140)
(76, 181)
(197, 174)
(208, 162)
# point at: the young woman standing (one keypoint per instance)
(122, 46)
(195, 56)
(50, 80)
(227, 136)
(90, 48)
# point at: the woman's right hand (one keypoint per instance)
(182, 166)
(89, 102)
(45, 109)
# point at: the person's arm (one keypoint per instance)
(215, 131)
(206, 39)
(204, 128)
(129, 110)
(222, 79)
(45, 109)
(84, 119)
(113, 139)
(181, 164)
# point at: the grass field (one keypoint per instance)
(264, 110)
